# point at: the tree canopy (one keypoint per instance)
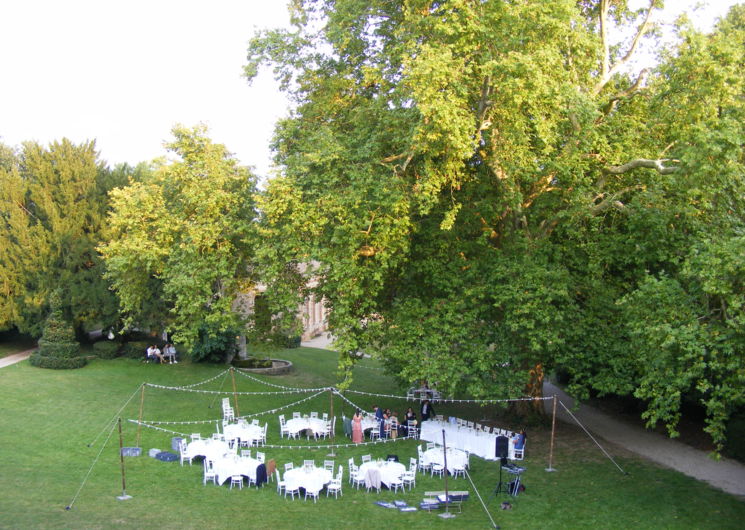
(52, 205)
(181, 240)
(490, 192)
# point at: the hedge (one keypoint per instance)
(105, 349)
(57, 363)
(136, 349)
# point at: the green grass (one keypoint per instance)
(49, 417)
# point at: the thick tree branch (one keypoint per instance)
(607, 71)
(647, 163)
(613, 102)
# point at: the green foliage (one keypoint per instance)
(181, 240)
(214, 346)
(106, 349)
(57, 346)
(456, 173)
(52, 206)
(135, 349)
(56, 363)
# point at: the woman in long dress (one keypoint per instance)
(357, 427)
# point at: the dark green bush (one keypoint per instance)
(252, 362)
(135, 349)
(57, 347)
(735, 445)
(214, 346)
(57, 363)
(106, 349)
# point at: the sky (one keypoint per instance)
(124, 73)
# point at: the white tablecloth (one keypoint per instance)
(316, 425)
(244, 432)
(210, 449)
(479, 443)
(314, 479)
(389, 471)
(229, 465)
(456, 457)
(369, 422)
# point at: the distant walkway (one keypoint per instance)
(16, 358)
(727, 475)
(322, 341)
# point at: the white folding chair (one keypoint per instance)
(296, 415)
(313, 414)
(288, 466)
(236, 480)
(260, 457)
(280, 484)
(366, 458)
(335, 487)
(209, 472)
(182, 452)
(312, 493)
(329, 465)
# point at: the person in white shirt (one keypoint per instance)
(153, 353)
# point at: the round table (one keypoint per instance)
(456, 458)
(389, 471)
(314, 425)
(312, 479)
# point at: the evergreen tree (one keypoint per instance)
(57, 346)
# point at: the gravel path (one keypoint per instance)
(16, 358)
(727, 475)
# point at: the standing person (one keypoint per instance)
(427, 411)
(380, 420)
(357, 435)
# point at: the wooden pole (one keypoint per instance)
(139, 418)
(553, 433)
(124, 495)
(331, 420)
(331, 413)
(445, 471)
(235, 396)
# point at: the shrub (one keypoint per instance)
(57, 363)
(106, 349)
(735, 445)
(214, 346)
(135, 349)
(57, 347)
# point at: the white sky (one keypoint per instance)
(124, 72)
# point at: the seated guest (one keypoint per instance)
(169, 352)
(395, 424)
(153, 354)
(427, 411)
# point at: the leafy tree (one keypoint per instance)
(181, 240)
(489, 193)
(52, 204)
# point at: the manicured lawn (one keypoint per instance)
(49, 417)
